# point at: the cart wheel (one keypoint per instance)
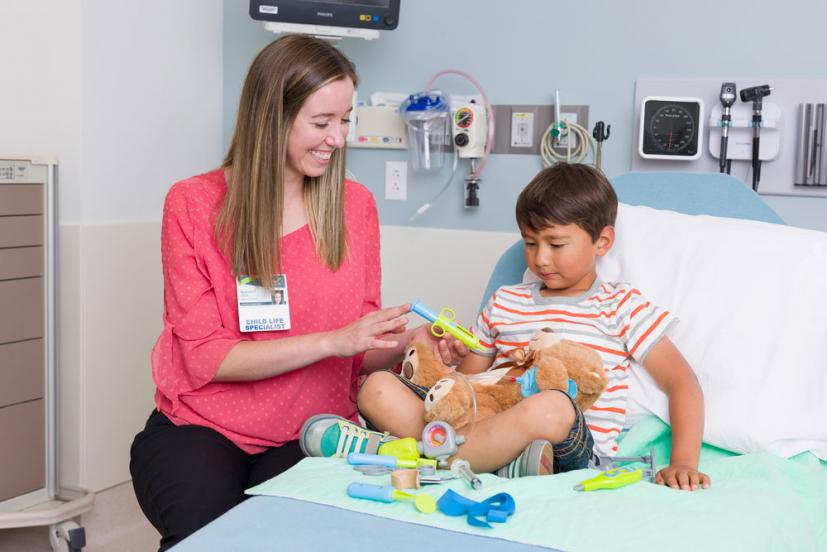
(67, 537)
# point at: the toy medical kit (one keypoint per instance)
(494, 509)
(439, 441)
(461, 468)
(424, 502)
(444, 322)
(406, 452)
(405, 479)
(615, 477)
(605, 463)
(611, 479)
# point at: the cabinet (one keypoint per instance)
(27, 344)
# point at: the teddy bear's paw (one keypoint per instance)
(440, 389)
(593, 382)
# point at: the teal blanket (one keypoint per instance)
(756, 502)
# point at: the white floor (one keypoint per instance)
(115, 523)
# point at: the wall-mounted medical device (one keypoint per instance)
(469, 129)
(671, 128)
(328, 18)
(740, 139)
(811, 156)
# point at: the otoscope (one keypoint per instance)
(727, 99)
(755, 95)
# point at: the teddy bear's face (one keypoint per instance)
(438, 392)
(543, 339)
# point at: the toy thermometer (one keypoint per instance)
(444, 322)
(611, 479)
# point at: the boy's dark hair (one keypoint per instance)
(568, 193)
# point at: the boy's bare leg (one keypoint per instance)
(390, 406)
(496, 441)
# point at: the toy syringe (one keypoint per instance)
(444, 322)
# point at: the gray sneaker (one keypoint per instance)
(536, 459)
(329, 435)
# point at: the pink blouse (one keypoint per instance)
(201, 320)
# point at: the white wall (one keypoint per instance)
(128, 96)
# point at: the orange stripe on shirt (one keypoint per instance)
(649, 331)
(596, 296)
(615, 388)
(609, 409)
(605, 349)
(539, 320)
(511, 343)
(515, 294)
(601, 314)
(599, 429)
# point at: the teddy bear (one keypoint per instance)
(555, 361)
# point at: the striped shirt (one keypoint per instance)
(614, 319)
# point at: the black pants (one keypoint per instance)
(186, 476)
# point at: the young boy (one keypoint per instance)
(566, 215)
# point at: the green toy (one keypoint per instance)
(611, 479)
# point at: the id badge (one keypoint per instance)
(262, 308)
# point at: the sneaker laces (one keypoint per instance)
(347, 433)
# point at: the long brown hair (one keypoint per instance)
(248, 227)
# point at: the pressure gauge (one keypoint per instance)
(671, 128)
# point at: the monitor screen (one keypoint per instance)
(380, 15)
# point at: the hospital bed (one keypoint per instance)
(765, 439)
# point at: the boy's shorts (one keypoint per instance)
(572, 453)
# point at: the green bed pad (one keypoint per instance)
(756, 502)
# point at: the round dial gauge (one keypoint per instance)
(672, 128)
(463, 117)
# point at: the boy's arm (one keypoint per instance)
(674, 376)
(474, 363)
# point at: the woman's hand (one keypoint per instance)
(364, 334)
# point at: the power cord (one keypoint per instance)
(427, 205)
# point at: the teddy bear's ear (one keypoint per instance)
(410, 362)
(518, 355)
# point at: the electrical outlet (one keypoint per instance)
(396, 180)
(522, 129)
(562, 141)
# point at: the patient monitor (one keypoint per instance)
(332, 19)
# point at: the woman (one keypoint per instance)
(234, 382)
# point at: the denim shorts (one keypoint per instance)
(572, 453)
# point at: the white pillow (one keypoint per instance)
(752, 302)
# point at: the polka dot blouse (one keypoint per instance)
(201, 320)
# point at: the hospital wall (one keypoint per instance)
(128, 96)
(520, 52)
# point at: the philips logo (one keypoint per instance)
(268, 9)
(324, 14)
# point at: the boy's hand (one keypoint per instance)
(682, 477)
(450, 350)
